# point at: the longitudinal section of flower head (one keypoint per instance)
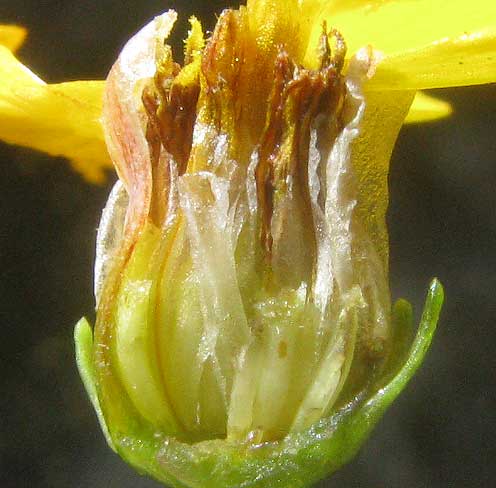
(248, 292)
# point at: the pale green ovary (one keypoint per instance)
(134, 338)
(285, 375)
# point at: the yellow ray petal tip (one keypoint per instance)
(427, 109)
(12, 36)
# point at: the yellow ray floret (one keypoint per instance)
(60, 119)
(371, 154)
(12, 36)
(425, 43)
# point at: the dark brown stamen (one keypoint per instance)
(298, 97)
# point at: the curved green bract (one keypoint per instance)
(299, 459)
(83, 338)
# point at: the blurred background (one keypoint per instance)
(442, 220)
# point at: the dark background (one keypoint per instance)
(439, 433)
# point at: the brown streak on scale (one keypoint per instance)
(298, 97)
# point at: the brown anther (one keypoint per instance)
(340, 51)
(325, 54)
(269, 146)
(171, 109)
(324, 49)
(170, 106)
(298, 97)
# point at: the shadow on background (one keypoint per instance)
(440, 433)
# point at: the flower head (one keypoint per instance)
(244, 333)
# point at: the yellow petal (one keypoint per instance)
(12, 36)
(61, 119)
(384, 115)
(426, 108)
(426, 43)
(287, 23)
